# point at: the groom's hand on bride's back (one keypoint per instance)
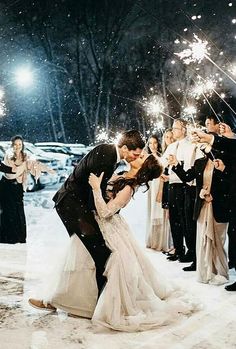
(95, 181)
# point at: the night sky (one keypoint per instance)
(70, 70)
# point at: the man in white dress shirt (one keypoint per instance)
(182, 196)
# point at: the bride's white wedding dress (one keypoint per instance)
(135, 297)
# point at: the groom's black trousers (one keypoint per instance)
(80, 221)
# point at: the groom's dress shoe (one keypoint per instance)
(231, 287)
(191, 267)
(38, 304)
(173, 257)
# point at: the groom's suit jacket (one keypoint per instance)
(102, 158)
(74, 204)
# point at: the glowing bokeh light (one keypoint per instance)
(24, 77)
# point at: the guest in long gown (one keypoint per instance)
(211, 211)
(136, 297)
(12, 186)
(154, 226)
(228, 145)
(158, 234)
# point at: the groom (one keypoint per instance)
(74, 201)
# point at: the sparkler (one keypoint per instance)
(101, 136)
(196, 52)
(206, 87)
(154, 105)
(203, 87)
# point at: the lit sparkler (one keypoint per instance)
(203, 87)
(101, 136)
(196, 52)
(154, 106)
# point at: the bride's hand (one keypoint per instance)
(95, 181)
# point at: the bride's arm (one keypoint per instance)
(104, 209)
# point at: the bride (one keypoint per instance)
(135, 297)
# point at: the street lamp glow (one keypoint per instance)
(24, 77)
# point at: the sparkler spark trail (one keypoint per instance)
(207, 87)
(103, 136)
(204, 85)
(196, 52)
(154, 106)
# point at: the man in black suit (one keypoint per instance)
(74, 201)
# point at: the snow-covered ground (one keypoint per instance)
(23, 266)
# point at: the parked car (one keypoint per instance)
(76, 155)
(45, 178)
(61, 163)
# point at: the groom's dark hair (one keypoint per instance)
(133, 139)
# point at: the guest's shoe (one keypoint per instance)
(170, 252)
(38, 304)
(191, 267)
(231, 287)
(173, 257)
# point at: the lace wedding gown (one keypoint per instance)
(135, 297)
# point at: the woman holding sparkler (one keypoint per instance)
(211, 214)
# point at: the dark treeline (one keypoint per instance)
(95, 61)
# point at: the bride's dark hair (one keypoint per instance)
(150, 169)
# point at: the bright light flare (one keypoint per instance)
(24, 77)
(154, 106)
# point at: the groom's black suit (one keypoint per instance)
(74, 203)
